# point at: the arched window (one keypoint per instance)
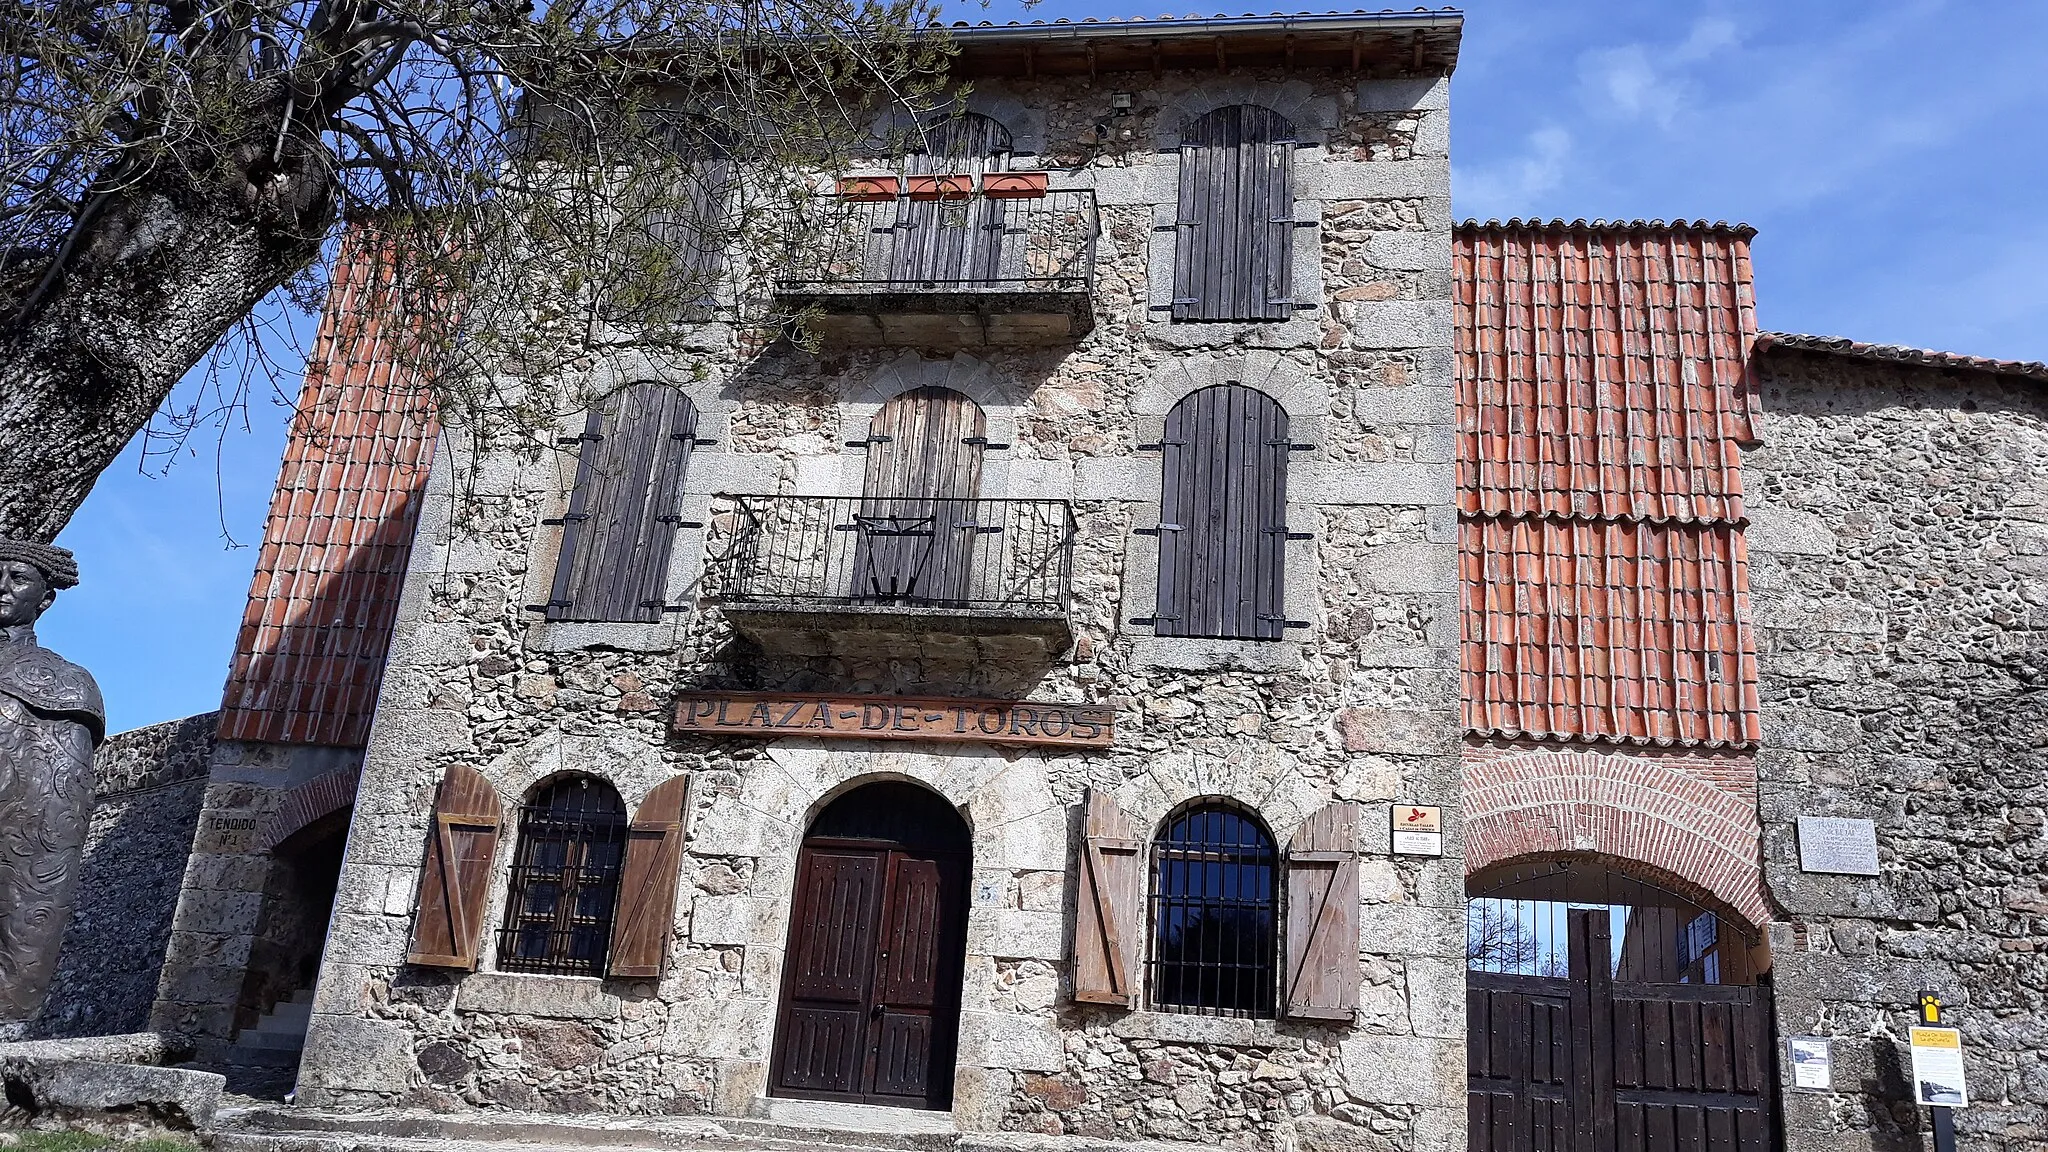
(1234, 249)
(1215, 906)
(565, 879)
(1518, 919)
(1223, 516)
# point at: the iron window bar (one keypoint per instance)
(1214, 947)
(565, 880)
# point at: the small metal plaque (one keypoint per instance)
(1837, 844)
(1418, 829)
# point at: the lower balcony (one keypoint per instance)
(814, 573)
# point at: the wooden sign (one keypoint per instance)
(771, 714)
(1418, 829)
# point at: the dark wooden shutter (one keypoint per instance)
(622, 515)
(647, 883)
(1223, 516)
(1108, 906)
(918, 525)
(954, 241)
(456, 879)
(1322, 916)
(1234, 243)
(695, 232)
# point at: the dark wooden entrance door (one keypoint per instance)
(1589, 1063)
(877, 940)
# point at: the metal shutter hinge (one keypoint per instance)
(692, 438)
(1291, 446)
(1162, 445)
(679, 522)
(1153, 621)
(984, 442)
(870, 440)
(1290, 535)
(579, 438)
(1161, 528)
(571, 518)
(1283, 621)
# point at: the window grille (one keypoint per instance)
(1517, 922)
(1215, 907)
(565, 880)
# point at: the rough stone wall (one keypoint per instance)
(1899, 563)
(145, 806)
(1365, 375)
(220, 900)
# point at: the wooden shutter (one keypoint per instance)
(1223, 517)
(918, 523)
(1108, 906)
(456, 879)
(954, 241)
(1322, 916)
(1234, 229)
(647, 882)
(622, 515)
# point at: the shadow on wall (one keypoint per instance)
(151, 785)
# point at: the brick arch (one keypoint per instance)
(1663, 813)
(317, 798)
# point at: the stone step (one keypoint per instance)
(270, 1039)
(295, 1012)
(286, 1129)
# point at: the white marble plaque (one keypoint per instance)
(1837, 844)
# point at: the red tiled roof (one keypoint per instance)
(1616, 629)
(1900, 354)
(311, 651)
(1603, 372)
(1603, 394)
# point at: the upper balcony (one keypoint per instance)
(791, 568)
(946, 261)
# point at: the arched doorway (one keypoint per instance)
(1608, 1009)
(877, 942)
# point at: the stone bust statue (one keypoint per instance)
(51, 720)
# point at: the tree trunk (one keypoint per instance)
(162, 276)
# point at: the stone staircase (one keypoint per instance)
(276, 1040)
(818, 1128)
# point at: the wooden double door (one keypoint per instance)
(1589, 1063)
(871, 988)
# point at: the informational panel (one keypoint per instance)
(1813, 1065)
(1837, 844)
(1938, 1068)
(1418, 830)
(772, 714)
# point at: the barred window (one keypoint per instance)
(1215, 904)
(565, 879)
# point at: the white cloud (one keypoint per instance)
(1652, 82)
(1515, 186)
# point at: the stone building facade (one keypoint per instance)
(1538, 534)
(1354, 706)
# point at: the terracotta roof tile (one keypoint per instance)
(310, 655)
(1607, 630)
(1900, 354)
(1604, 372)
(1604, 391)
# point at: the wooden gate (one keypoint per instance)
(877, 942)
(1588, 1063)
(917, 520)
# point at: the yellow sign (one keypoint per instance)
(1937, 1038)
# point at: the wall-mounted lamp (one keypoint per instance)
(1120, 103)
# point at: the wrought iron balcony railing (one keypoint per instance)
(1009, 558)
(975, 243)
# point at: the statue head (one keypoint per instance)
(31, 575)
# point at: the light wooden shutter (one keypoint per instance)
(647, 883)
(456, 879)
(1322, 916)
(1108, 906)
(621, 522)
(1234, 226)
(919, 525)
(1223, 517)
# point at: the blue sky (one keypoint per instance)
(1891, 154)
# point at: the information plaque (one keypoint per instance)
(1836, 844)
